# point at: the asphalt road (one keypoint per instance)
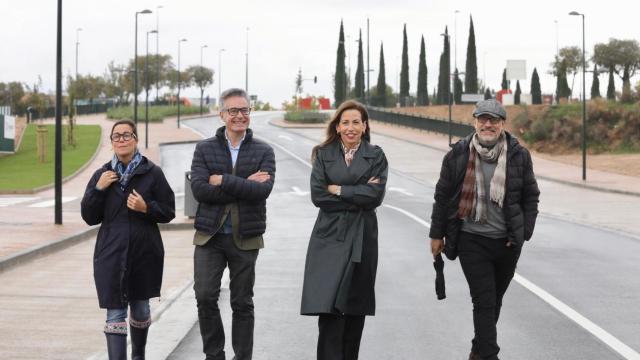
(575, 295)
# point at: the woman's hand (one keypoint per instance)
(135, 202)
(373, 180)
(106, 179)
(334, 189)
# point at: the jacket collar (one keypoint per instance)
(144, 167)
(220, 134)
(361, 160)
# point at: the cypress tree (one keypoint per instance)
(422, 93)
(505, 83)
(404, 70)
(536, 91)
(381, 87)
(444, 87)
(562, 86)
(471, 67)
(516, 96)
(457, 87)
(595, 85)
(611, 89)
(359, 81)
(340, 75)
(487, 94)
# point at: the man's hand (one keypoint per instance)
(215, 180)
(333, 189)
(260, 176)
(373, 180)
(135, 202)
(106, 179)
(437, 245)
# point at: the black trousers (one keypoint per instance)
(489, 265)
(210, 261)
(339, 336)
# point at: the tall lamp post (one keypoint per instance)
(146, 92)
(58, 126)
(158, 51)
(77, 45)
(202, 48)
(219, 75)
(584, 102)
(246, 64)
(447, 36)
(135, 66)
(179, 79)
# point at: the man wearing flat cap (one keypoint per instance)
(486, 204)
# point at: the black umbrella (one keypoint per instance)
(438, 264)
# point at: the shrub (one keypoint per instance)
(306, 117)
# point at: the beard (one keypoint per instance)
(490, 139)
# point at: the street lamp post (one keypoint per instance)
(447, 36)
(219, 75)
(179, 79)
(158, 51)
(146, 91)
(135, 66)
(77, 45)
(58, 126)
(455, 39)
(202, 48)
(246, 69)
(584, 102)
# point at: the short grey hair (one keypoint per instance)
(233, 92)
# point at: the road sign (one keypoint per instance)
(472, 98)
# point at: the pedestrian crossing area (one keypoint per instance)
(31, 201)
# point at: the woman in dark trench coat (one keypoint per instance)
(129, 196)
(347, 184)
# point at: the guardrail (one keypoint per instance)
(420, 122)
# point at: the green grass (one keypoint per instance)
(156, 112)
(306, 116)
(22, 171)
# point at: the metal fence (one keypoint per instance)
(420, 122)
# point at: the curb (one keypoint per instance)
(27, 255)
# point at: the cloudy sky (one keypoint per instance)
(286, 35)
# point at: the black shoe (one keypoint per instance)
(138, 342)
(474, 356)
(116, 346)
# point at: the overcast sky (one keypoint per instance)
(286, 35)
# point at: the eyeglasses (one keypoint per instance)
(493, 120)
(235, 111)
(124, 136)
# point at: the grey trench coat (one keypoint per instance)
(342, 256)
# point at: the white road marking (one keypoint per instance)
(49, 203)
(400, 190)
(595, 330)
(285, 137)
(8, 201)
(297, 191)
(289, 152)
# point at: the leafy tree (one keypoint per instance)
(505, 82)
(562, 86)
(457, 87)
(444, 86)
(201, 77)
(380, 97)
(340, 87)
(422, 93)
(621, 57)
(611, 88)
(471, 67)
(568, 60)
(516, 96)
(385, 100)
(11, 94)
(115, 82)
(404, 70)
(536, 91)
(85, 87)
(595, 84)
(359, 81)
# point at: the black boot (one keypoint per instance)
(138, 338)
(117, 346)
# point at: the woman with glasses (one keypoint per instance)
(347, 184)
(129, 196)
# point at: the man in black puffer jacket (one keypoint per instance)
(232, 175)
(486, 204)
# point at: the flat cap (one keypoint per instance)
(490, 107)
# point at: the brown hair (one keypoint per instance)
(125, 122)
(332, 135)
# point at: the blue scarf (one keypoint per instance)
(124, 175)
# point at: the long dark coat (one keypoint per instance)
(342, 257)
(129, 256)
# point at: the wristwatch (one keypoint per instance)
(339, 191)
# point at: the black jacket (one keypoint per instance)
(212, 157)
(521, 195)
(129, 256)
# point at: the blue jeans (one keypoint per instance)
(139, 311)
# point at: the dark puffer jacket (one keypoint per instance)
(521, 196)
(212, 157)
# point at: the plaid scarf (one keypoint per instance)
(349, 153)
(473, 201)
(124, 174)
